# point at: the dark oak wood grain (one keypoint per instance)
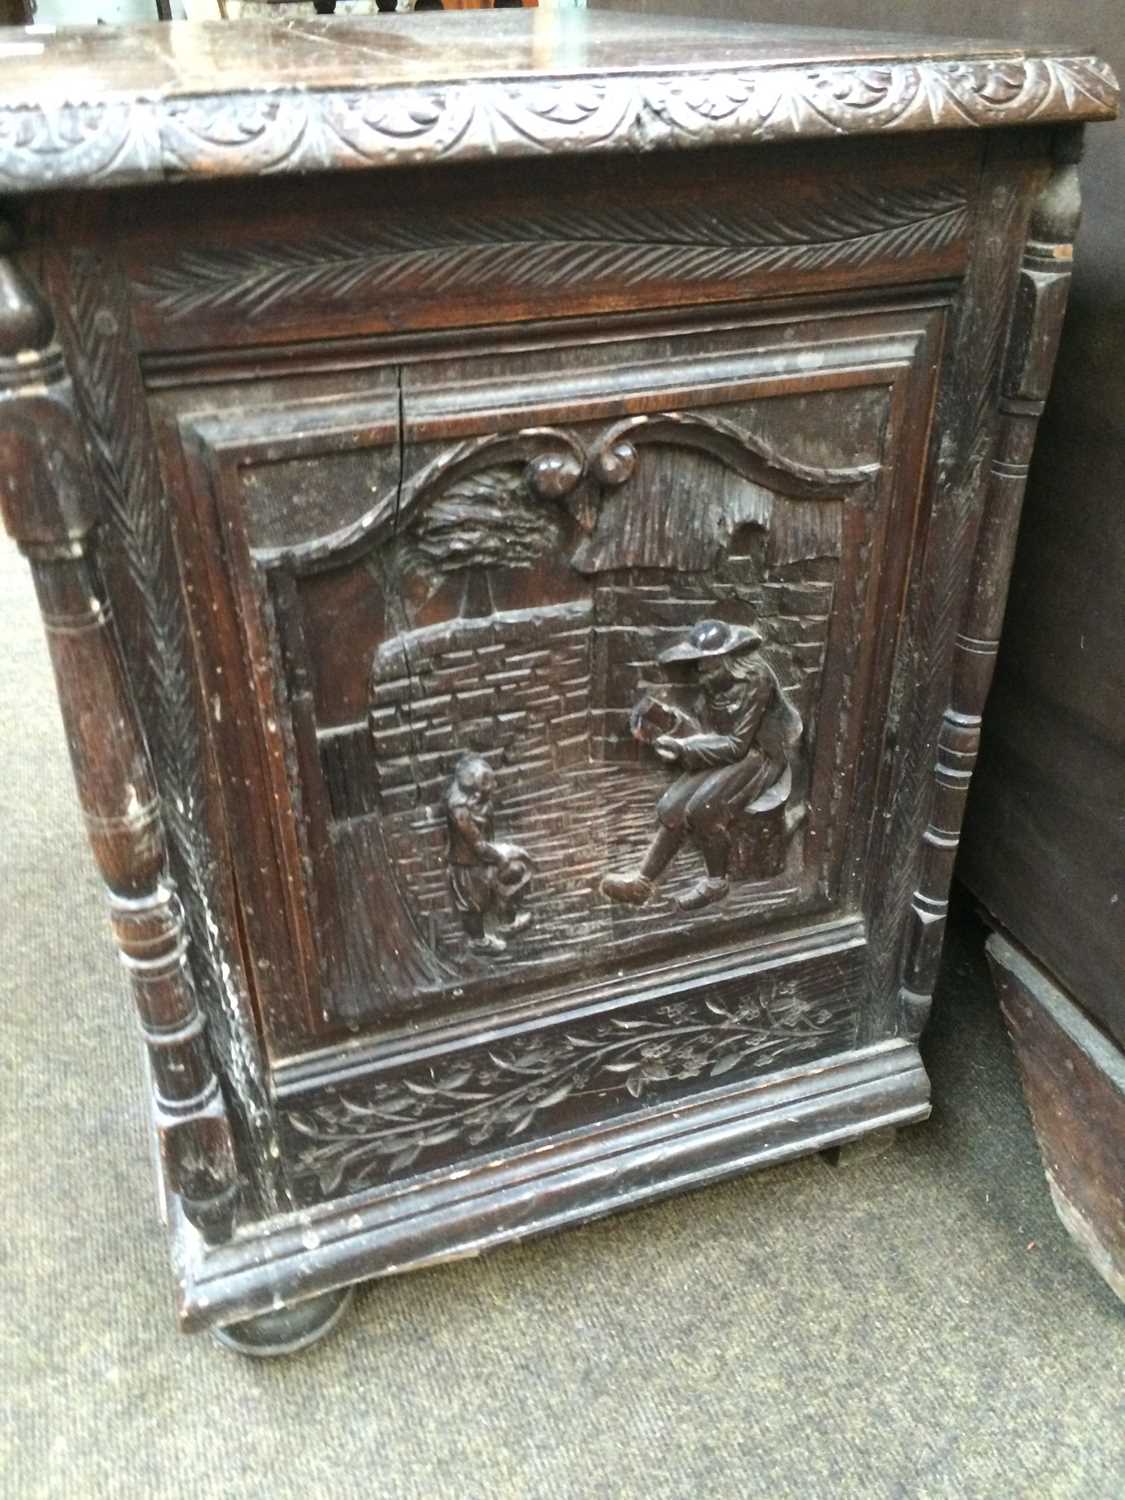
(1041, 293)
(538, 595)
(509, 245)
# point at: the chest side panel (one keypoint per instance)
(570, 686)
(521, 812)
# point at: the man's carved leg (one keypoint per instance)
(715, 848)
(635, 888)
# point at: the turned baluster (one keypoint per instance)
(48, 505)
(1044, 284)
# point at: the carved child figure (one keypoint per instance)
(485, 878)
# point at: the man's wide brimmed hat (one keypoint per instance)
(712, 638)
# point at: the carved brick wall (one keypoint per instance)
(514, 687)
(544, 695)
(639, 615)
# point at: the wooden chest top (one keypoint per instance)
(108, 106)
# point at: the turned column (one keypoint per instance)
(1044, 284)
(47, 501)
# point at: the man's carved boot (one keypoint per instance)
(488, 942)
(633, 889)
(704, 892)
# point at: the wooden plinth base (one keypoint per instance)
(581, 1176)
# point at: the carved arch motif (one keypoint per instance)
(560, 467)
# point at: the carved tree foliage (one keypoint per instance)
(486, 519)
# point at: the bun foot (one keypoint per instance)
(863, 1149)
(287, 1330)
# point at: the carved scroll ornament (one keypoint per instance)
(551, 464)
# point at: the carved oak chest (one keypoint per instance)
(522, 514)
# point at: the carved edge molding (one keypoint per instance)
(1041, 296)
(592, 1170)
(554, 250)
(50, 508)
(76, 144)
(966, 418)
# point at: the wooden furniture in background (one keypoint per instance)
(1044, 846)
(520, 521)
(1073, 1075)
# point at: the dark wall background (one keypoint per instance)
(1044, 841)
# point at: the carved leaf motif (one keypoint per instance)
(484, 519)
(862, 89)
(997, 86)
(550, 251)
(408, 118)
(293, 131)
(716, 98)
(496, 1097)
(562, 104)
(75, 142)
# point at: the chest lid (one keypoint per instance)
(106, 106)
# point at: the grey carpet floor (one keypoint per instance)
(914, 1325)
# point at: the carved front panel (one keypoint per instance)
(589, 720)
(571, 691)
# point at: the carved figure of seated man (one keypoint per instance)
(737, 747)
(486, 879)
